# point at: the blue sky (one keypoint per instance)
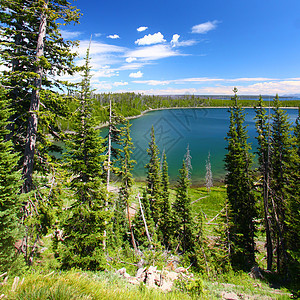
(192, 46)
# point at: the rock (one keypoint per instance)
(181, 270)
(229, 296)
(150, 280)
(166, 286)
(171, 276)
(151, 270)
(255, 273)
(133, 280)
(141, 273)
(121, 271)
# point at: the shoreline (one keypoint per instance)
(202, 107)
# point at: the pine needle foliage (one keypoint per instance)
(10, 202)
(122, 217)
(165, 224)
(239, 180)
(85, 222)
(281, 173)
(153, 188)
(183, 212)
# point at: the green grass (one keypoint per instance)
(79, 285)
(106, 285)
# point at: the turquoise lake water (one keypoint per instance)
(202, 129)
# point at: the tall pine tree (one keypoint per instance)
(238, 162)
(165, 223)
(34, 53)
(282, 154)
(122, 213)
(86, 218)
(293, 211)
(153, 188)
(262, 125)
(183, 220)
(10, 200)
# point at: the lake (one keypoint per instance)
(202, 129)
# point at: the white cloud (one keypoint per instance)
(138, 74)
(201, 80)
(204, 27)
(153, 52)
(97, 34)
(153, 82)
(176, 43)
(101, 72)
(120, 83)
(98, 48)
(281, 87)
(142, 28)
(113, 36)
(130, 59)
(175, 39)
(133, 66)
(151, 39)
(70, 34)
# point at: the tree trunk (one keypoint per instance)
(145, 223)
(34, 108)
(109, 147)
(267, 222)
(130, 229)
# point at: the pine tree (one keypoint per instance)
(282, 150)
(34, 52)
(240, 194)
(293, 210)
(153, 188)
(208, 174)
(85, 224)
(264, 140)
(113, 141)
(188, 161)
(10, 202)
(221, 252)
(123, 219)
(165, 223)
(183, 213)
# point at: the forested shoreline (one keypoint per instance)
(132, 105)
(84, 213)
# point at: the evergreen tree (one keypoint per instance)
(293, 211)
(34, 52)
(153, 188)
(122, 215)
(10, 202)
(113, 141)
(282, 154)
(188, 161)
(208, 174)
(240, 194)
(183, 213)
(165, 223)
(264, 140)
(85, 224)
(221, 252)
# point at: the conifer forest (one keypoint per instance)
(70, 222)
